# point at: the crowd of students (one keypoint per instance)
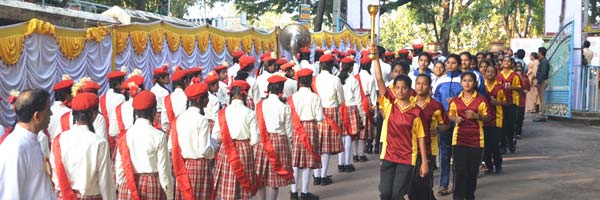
(242, 131)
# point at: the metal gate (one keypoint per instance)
(560, 54)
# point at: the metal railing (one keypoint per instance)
(586, 88)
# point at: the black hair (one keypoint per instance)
(248, 68)
(146, 114)
(317, 56)
(402, 56)
(366, 67)
(275, 88)
(456, 57)
(197, 102)
(115, 85)
(542, 51)
(236, 91)
(29, 102)
(472, 75)
(535, 55)
(345, 72)
(181, 83)
(440, 62)
(61, 95)
(426, 55)
(85, 116)
(479, 53)
(270, 63)
(404, 79)
(586, 44)
(487, 62)
(426, 78)
(520, 54)
(404, 64)
(381, 51)
(495, 69)
(327, 66)
(236, 60)
(241, 75)
(306, 81)
(465, 53)
(306, 56)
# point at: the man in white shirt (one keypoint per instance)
(174, 103)
(80, 159)
(190, 140)
(143, 153)
(22, 162)
(329, 89)
(236, 131)
(161, 80)
(290, 86)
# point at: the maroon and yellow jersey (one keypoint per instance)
(511, 78)
(496, 113)
(523, 93)
(433, 115)
(399, 135)
(469, 132)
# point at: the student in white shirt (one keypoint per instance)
(351, 114)
(174, 103)
(160, 89)
(307, 112)
(22, 163)
(290, 86)
(272, 155)
(61, 105)
(269, 68)
(110, 100)
(236, 131)
(246, 67)
(84, 84)
(424, 60)
(222, 74)
(142, 153)
(213, 106)
(80, 159)
(191, 147)
(235, 67)
(122, 117)
(368, 101)
(329, 89)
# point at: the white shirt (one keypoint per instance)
(22, 167)
(277, 115)
(241, 122)
(290, 87)
(315, 66)
(148, 152)
(193, 135)
(43, 140)
(99, 125)
(58, 110)
(386, 69)
(355, 69)
(1, 130)
(160, 94)
(112, 101)
(87, 163)
(307, 105)
(178, 103)
(212, 108)
(368, 84)
(262, 84)
(352, 94)
(329, 89)
(126, 115)
(415, 63)
(232, 71)
(222, 94)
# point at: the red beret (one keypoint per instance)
(269, 56)
(327, 58)
(194, 71)
(365, 60)
(84, 101)
(245, 61)
(138, 80)
(220, 67)
(240, 83)
(196, 90)
(364, 53)
(305, 50)
(179, 74)
(281, 61)
(347, 60)
(164, 70)
(89, 86)
(351, 51)
(304, 72)
(116, 74)
(319, 50)
(389, 53)
(237, 54)
(417, 46)
(403, 51)
(286, 66)
(212, 77)
(144, 100)
(63, 84)
(276, 79)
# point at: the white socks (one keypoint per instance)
(323, 171)
(305, 180)
(361, 147)
(345, 157)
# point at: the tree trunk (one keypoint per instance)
(140, 5)
(594, 8)
(562, 14)
(444, 30)
(319, 17)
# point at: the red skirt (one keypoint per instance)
(79, 197)
(331, 142)
(227, 187)
(355, 121)
(148, 187)
(300, 156)
(200, 176)
(264, 171)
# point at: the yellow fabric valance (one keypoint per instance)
(71, 47)
(188, 42)
(139, 41)
(173, 40)
(10, 49)
(156, 40)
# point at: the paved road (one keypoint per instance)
(554, 160)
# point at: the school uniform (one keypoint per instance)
(368, 98)
(352, 117)
(160, 92)
(467, 144)
(66, 121)
(510, 78)
(329, 88)
(108, 103)
(173, 105)
(261, 86)
(400, 130)
(521, 107)
(122, 118)
(236, 130)
(493, 128)
(290, 87)
(212, 109)
(58, 109)
(222, 94)
(413, 76)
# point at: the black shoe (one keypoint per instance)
(341, 168)
(294, 196)
(316, 180)
(309, 196)
(539, 120)
(498, 169)
(355, 158)
(369, 149)
(326, 181)
(512, 149)
(488, 171)
(363, 159)
(350, 168)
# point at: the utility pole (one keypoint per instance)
(336, 14)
